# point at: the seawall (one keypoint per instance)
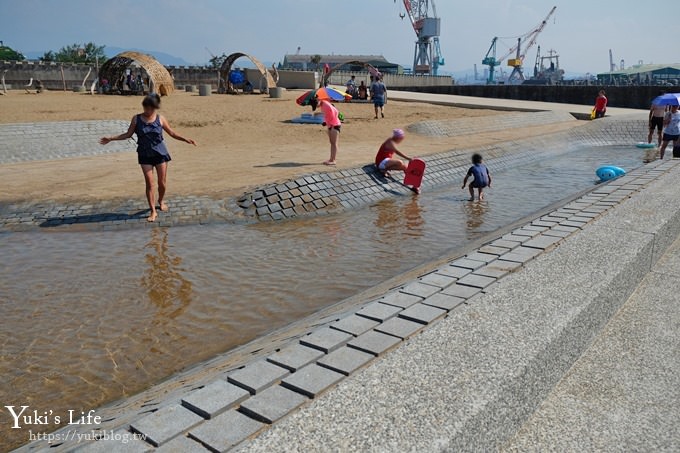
(637, 97)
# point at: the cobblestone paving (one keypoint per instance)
(465, 126)
(220, 415)
(23, 142)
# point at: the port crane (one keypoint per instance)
(524, 43)
(423, 16)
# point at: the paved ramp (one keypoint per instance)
(23, 142)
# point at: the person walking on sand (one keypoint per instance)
(671, 130)
(384, 160)
(600, 104)
(151, 150)
(656, 115)
(481, 177)
(333, 123)
(379, 96)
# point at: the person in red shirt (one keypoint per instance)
(600, 105)
(384, 160)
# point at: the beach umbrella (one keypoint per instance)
(667, 99)
(326, 93)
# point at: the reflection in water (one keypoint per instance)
(474, 212)
(397, 217)
(166, 286)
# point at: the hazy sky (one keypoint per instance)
(582, 30)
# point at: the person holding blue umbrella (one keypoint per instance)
(671, 129)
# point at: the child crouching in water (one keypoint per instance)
(481, 177)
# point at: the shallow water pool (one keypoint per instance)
(89, 317)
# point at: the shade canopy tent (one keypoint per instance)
(369, 67)
(160, 79)
(267, 80)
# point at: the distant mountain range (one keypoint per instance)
(164, 58)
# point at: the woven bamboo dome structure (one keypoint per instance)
(326, 77)
(161, 80)
(267, 78)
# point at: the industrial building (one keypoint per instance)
(643, 74)
(303, 62)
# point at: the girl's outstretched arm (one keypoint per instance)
(173, 134)
(125, 136)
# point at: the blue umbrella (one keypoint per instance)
(667, 99)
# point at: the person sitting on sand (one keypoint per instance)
(363, 91)
(384, 161)
(332, 122)
(151, 150)
(481, 175)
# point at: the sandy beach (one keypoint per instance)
(243, 140)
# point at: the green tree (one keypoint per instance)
(49, 56)
(316, 60)
(217, 60)
(7, 53)
(76, 53)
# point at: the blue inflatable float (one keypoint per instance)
(644, 145)
(608, 172)
(309, 118)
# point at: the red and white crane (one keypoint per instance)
(423, 16)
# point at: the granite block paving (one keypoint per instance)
(521, 254)
(403, 299)
(461, 291)
(295, 356)
(467, 263)
(312, 380)
(438, 280)
(165, 424)
(374, 342)
(60, 139)
(399, 327)
(378, 311)
(479, 256)
(181, 444)
(355, 325)
(345, 360)
(419, 289)
(542, 242)
(444, 301)
(272, 404)
(498, 268)
(257, 376)
(454, 271)
(494, 250)
(326, 339)
(422, 313)
(477, 281)
(557, 233)
(226, 430)
(214, 398)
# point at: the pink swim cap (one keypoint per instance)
(398, 133)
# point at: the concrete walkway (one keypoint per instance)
(623, 394)
(503, 104)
